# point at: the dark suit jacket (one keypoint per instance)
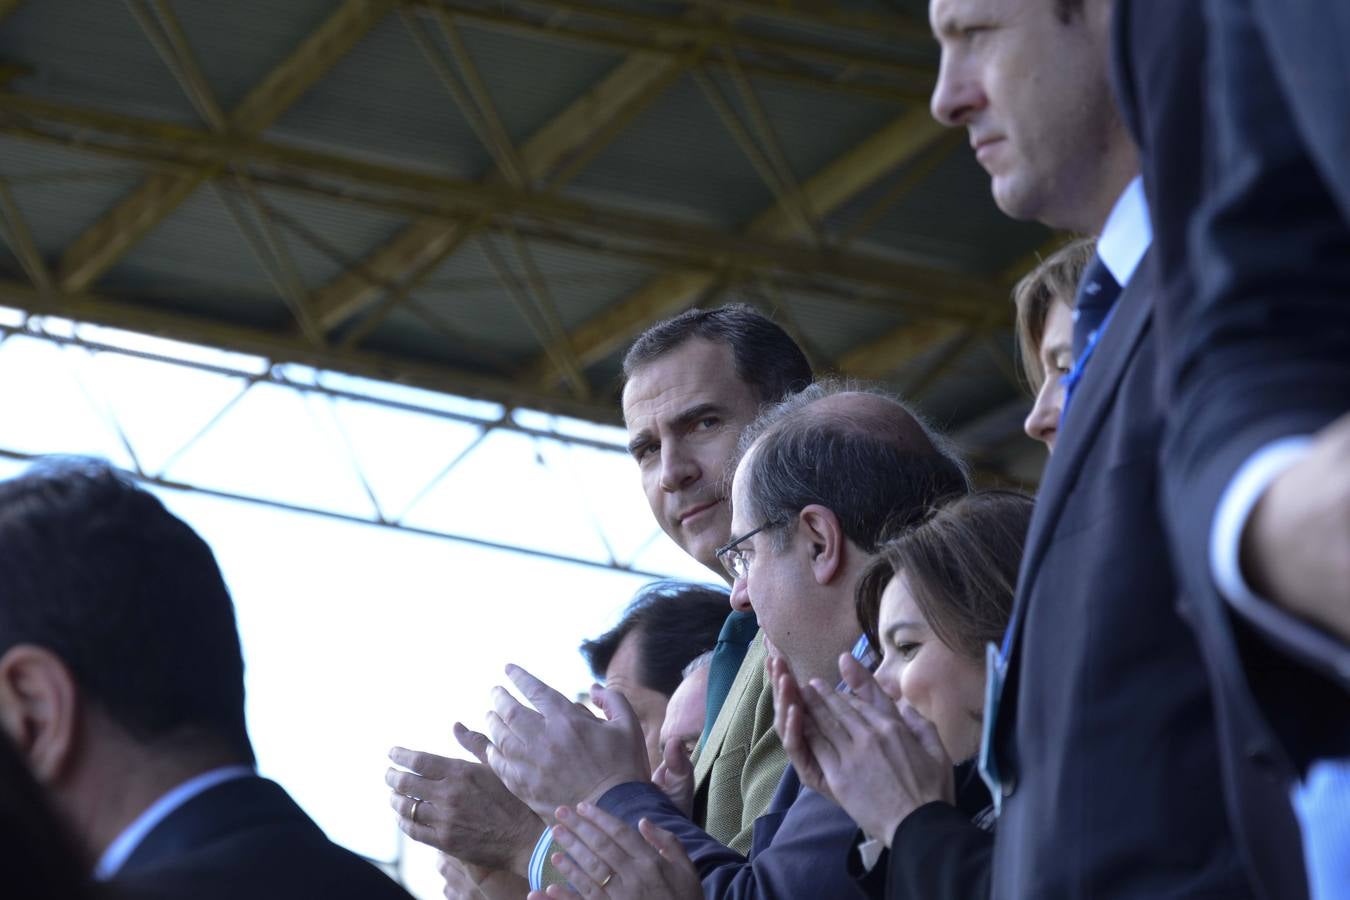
(247, 840)
(1105, 728)
(937, 851)
(1162, 53)
(800, 846)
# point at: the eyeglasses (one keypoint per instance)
(733, 558)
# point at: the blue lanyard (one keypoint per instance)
(1075, 375)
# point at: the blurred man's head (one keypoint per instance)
(693, 382)
(1029, 80)
(668, 624)
(118, 645)
(688, 705)
(826, 477)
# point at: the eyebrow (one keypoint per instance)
(1055, 349)
(908, 624)
(685, 417)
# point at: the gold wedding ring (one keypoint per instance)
(607, 878)
(412, 813)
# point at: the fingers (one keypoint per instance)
(614, 705)
(665, 843)
(428, 765)
(544, 698)
(862, 683)
(799, 750)
(409, 784)
(590, 860)
(520, 719)
(419, 831)
(473, 741)
(924, 731)
(828, 735)
(578, 879)
(675, 759)
(618, 831)
(839, 705)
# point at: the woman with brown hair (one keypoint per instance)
(932, 601)
(1045, 300)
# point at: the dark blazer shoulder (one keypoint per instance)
(247, 838)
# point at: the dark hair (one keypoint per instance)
(961, 567)
(878, 472)
(674, 621)
(98, 572)
(766, 358)
(1055, 278)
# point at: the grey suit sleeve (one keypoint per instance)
(806, 856)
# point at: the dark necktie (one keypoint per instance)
(1097, 293)
(732, 642)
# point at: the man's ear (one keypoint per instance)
(820, 528)
(39, 709)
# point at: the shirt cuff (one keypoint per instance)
(1235, 507)
(869, 851)
(538, 858)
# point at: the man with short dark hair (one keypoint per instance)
(122, 684)
(1098, 670)
(668, 624)
(827, 475)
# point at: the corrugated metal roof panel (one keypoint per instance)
(677, 159)
(60, 191)
(383, 100)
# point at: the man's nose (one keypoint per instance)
(740, 596)
(956, 96)
(678, 469)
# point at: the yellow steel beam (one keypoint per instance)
(146, 319)
(823, 16)
(767, 246)
(668, 30)
(884, 355)
(631, 84)
(887, 353)
(104, 242)
(7, 7)
(20, 241)
(892, 146)
(916, 87)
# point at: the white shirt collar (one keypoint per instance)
(120, 850)
(1127, 234)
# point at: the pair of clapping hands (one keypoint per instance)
(875, 757)
(547, 765)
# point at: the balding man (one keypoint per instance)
(824, 478)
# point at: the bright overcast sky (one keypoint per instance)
(357, 637)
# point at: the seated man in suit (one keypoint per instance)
(1098, 671)
(825, 478)
(122, 685)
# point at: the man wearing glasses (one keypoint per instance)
(826, 477)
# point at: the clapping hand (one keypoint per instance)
(607, 859)
(675, 776)
(562, 754)
(878, 760)
(462, 807)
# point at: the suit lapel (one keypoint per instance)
(727, 718)
(1091, 402)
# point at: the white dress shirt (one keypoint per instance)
(125, 844)
(1127, 234)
